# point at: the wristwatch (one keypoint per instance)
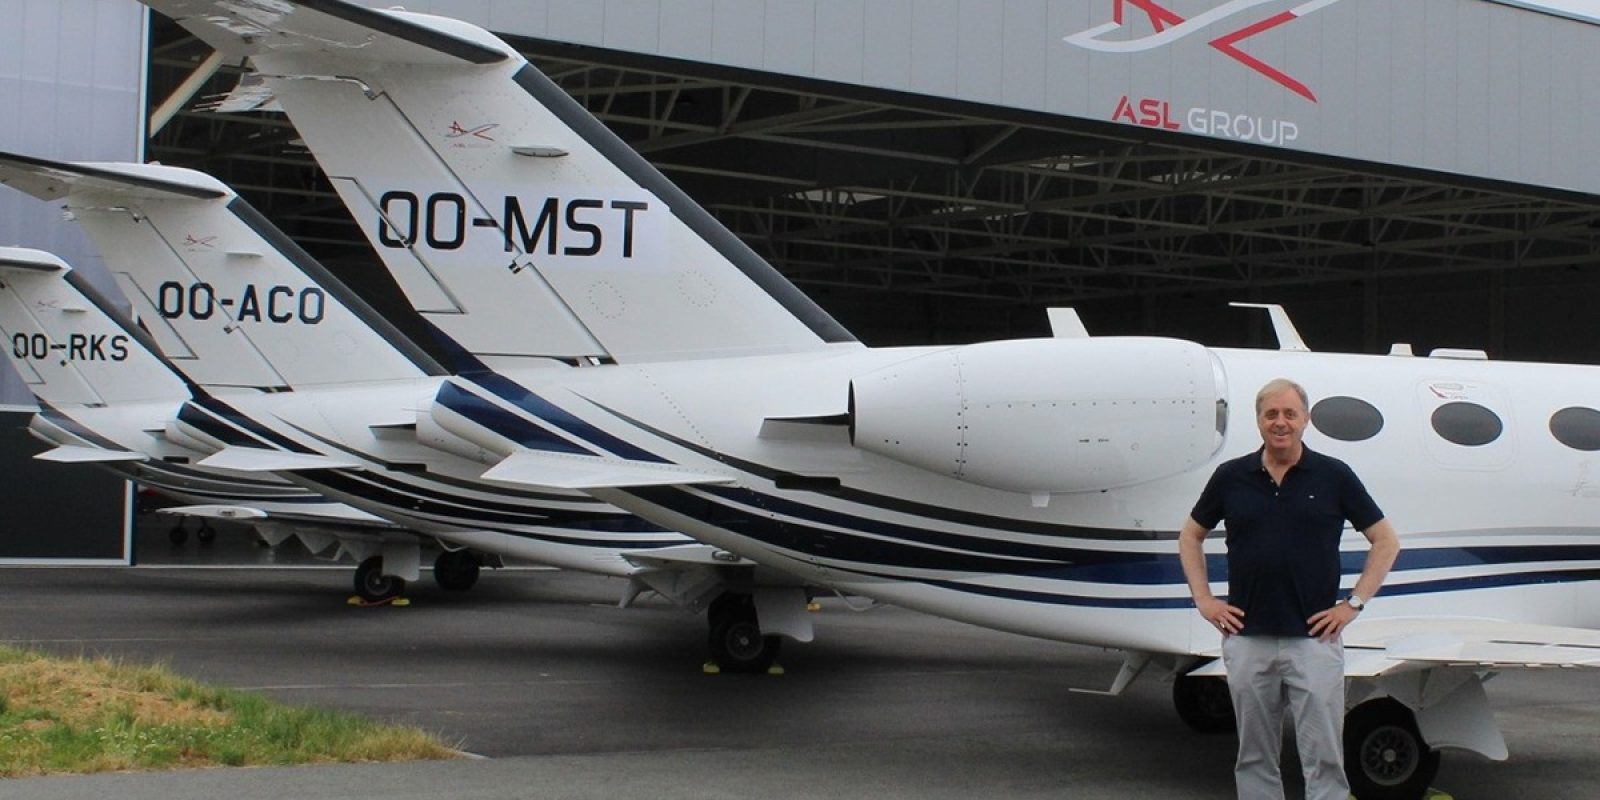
(1356, 602)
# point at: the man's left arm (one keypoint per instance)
(1329, 623)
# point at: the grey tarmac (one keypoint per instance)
(568, 696)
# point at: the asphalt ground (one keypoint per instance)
(567, 696)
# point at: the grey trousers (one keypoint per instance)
(1269, 675)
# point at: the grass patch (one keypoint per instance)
(94, 715)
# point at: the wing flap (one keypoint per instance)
(563, 471)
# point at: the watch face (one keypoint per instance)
(1355, 602)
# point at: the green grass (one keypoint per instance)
(92, 715)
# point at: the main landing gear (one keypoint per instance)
(373, 586)
(1203, 704)
(1385, 756)
(178, 534)
(456, 570)
(453, 570)
(736, 641)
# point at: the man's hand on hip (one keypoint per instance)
(1226, 618)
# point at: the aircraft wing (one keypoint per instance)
(343, 517)
(683, 556)
(79, 454)
(1388, 646)
(256, 459)
(1408, 643)
(565, 471)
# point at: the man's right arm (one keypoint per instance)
(1192, 554)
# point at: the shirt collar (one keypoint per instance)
(1309, 459)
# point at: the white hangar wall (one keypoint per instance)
(1476, 87)
(71, 87)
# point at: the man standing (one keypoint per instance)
(1285, 508)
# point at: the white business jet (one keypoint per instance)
(105, 397)
(1032, 486)
(340, 414)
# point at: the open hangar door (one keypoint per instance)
(916, 219)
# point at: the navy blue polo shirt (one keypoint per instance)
(1283, 541)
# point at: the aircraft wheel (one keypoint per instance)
(1204, 704)
(178, 535)
(373, 586)
(736, 642)
(456, 571)
(1385, 757)
(206, 534)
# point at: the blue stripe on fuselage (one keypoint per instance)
(543, 409)
(504, 423)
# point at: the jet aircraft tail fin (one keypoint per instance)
(513, 219)
(228, 297)
(71, 345)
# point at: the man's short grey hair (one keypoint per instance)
(1277, 385)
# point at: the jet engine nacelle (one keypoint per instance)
(1045, 415)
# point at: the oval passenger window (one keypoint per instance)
(1577, 427)
(1467, 424)
(1348, 419)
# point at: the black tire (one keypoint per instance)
(178, 535)
(206, 534)
(375, 587)
(1204, 704)
(1385, 757)
(736, 641)
(456, 571)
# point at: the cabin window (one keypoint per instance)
(1467, 424)
(1577, 427)
(1348, 419)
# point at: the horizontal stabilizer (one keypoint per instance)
(562, 471)
(239, 29)
(18, 408)
(53, 180)
(255, 459)
(79, 454)
(20, 259)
